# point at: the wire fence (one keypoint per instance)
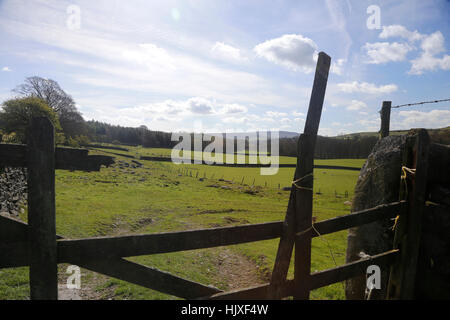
(419, 103)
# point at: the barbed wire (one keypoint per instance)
(418, 103)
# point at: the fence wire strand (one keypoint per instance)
(419, 103)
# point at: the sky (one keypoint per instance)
(228, 66)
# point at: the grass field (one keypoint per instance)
(162, 196)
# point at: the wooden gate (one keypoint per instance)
(36, 244)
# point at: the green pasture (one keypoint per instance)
(162, 196)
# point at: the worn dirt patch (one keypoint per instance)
(237, 271)
(220, 211)
(233, 269)
(88, 290)
(141, 223)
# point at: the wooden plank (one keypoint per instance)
(350, 270)
(41, 210)
(274, 229)
(304, 195)
(12, 229)
(19, 252)
(304, 208)
(18, 255)
(259, 292)
(12, 155)
(384, 211)
(434, 258)
(395, 275)
(317, 279)
(385, 118)
(14, 254)
(317, 94)
(135, 245)
(148, 277)
(402, 277)
(299, 211)
(15, 155)
(414, 228)
(439, 168)
(440, 194)
(284, 252)
(14, 242)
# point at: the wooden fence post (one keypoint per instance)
(304, 195)
(385, 118)
(409, 230)
(41, 210)
(299, 212)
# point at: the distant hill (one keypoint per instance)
(355, 145)
(441, 135)
(242, 135)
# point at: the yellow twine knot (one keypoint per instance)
(300, 179)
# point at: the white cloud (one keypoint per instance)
(430, 45)
(382, 52)
(337, 25)
(293, 51)
(298, 114)
(399, 32)
(365, 87)
(6, 69)
(184, 108)
(276, 114)
(370, 124)
(356, 105)
(227, 52)
(427, 61)
(200, 106)
(146, 67)
(414, 119)
(234, 120)
(336, 67)
(433, 44)
(234, 108)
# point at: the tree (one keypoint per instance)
(47, 90)
(58, 100)
(17, 114)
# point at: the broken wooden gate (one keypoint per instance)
(36, 244)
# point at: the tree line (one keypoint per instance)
(354, 147)
(44, 97)
(107, 133)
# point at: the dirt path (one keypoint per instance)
(233, 269)
(237, 270)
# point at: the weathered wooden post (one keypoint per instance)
(298, 221)
(385, 118)
(41, 210)
(409, 229)
(305, 167)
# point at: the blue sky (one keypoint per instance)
(217, 66)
